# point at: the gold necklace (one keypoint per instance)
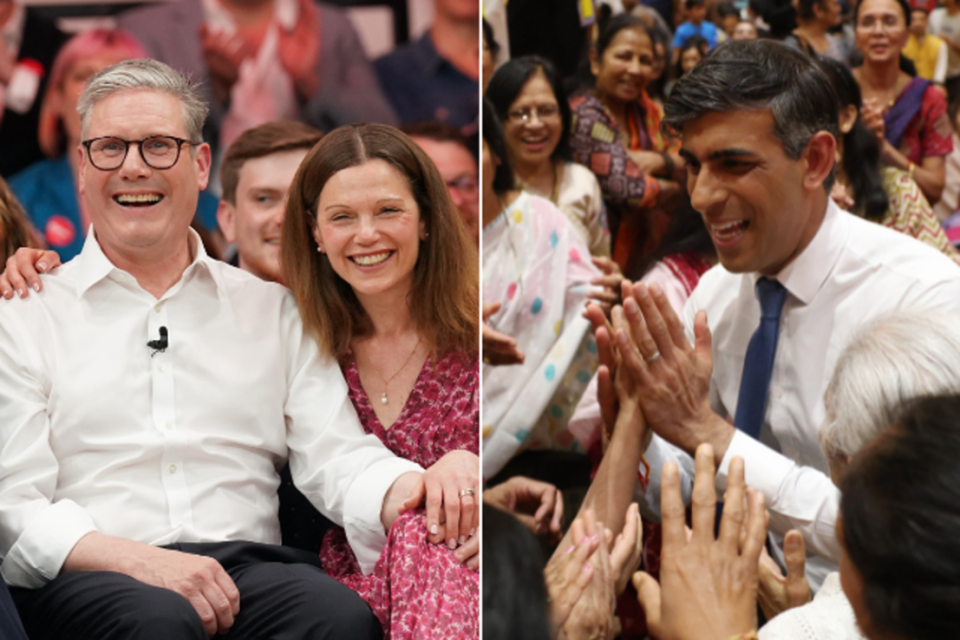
(386, 383)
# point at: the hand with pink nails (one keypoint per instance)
(567, 575)
(591, 617)
(23, 271)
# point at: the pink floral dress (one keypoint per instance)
(418, 590)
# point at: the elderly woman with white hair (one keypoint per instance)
(894, 360)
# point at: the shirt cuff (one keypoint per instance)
(764, 469)
(363, 504)
(39, 553)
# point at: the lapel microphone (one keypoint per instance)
(161, 344)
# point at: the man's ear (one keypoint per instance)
(204, 159)
(820, 156)
(225, 218)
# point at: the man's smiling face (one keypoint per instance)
(748, 191)
(137, 208)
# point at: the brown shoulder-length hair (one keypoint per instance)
(15, 229)
(444, 299)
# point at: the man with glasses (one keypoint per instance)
(149, 396)
(458, 166)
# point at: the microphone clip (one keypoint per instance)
(161, 344)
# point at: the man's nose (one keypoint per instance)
(706, 190)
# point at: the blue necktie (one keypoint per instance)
(758, 363)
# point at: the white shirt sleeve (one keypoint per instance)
(344, 472)
(940, 70)
(36, 532)
(797, 497)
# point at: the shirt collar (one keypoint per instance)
(94, 266)
(807, 273)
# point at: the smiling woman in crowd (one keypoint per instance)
(616, 133)
(529, 99)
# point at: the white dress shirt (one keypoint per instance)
(851, 273)
(98, 433)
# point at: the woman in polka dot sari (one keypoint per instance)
(538, 269)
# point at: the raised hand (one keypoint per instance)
(778, 592)
(708, 588)
(223, 53)
(567, 575)
(627, 549)
(673, 375)
(609, 295)
(299, 50)
(23, 269)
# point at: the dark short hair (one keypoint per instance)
(727, 9)
(615, 25)
(762, 74)
(901, 521)
(509, 80)
(493, 136)
(690, 4)
(904, 6)
(263, 140)
(436, 131)
(514, 592)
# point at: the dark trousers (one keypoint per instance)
(284, 594)
(10, 627)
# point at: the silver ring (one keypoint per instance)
(652, 358)
(468, 492)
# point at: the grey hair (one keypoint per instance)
(899, 357)
(148, 75)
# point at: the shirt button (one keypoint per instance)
(160, 368)
(157, 306)
(168, 426)
(172, 468)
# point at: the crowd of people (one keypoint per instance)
(287, 449)
(714, 370)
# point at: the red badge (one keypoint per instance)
(60, 232)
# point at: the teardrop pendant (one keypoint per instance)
(383, 398)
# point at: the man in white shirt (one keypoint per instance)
(758, 123)
(147, 400)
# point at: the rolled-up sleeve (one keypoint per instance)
(36, 533)
(344, 472)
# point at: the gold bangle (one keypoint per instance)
(910, 169)
(750, 635)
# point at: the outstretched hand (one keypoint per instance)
(708, 588)
(23, 271)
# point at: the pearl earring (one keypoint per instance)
(319, 249)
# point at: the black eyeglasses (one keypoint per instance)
(158, 152)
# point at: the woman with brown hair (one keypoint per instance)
(385, 276)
